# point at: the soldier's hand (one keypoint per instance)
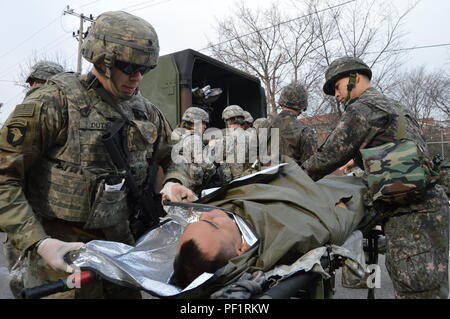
(53, 251)
(347, 167)
(175, 192)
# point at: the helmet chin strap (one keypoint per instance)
(351, 85)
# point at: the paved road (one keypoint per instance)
(384, 292)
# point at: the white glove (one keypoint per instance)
(175, 192)
(53, 251)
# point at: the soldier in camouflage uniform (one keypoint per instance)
(260, 122)
(55, 170)
(190, 167)
(248, 120)
(444, 179)
(236, 142)
(214, 170)
(417, 234)
(297, 140)
(40, 73)
(444, 173)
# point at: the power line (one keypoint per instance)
(46, 47)
(414, 48)
(141, 3)
(151, 5)
(30, 37)
(278, 24)
(88, 4)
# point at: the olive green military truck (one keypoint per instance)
(173, 85)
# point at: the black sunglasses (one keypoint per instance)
(130, 68)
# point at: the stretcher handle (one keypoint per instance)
(76, 280)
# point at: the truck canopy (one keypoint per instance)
(169, 86)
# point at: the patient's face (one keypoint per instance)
(214, 229)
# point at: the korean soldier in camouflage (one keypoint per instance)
(59, 187)
(297, 140)
(40, 73)
(417, 233)
(444, 176)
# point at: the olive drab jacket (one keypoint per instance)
(54, 164)
(297, 140)
(290, 214)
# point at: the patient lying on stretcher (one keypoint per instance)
(207, 245)
(266, 220)
(289, 215)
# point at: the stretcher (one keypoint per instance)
(147, 265)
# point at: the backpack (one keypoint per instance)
(397, 172)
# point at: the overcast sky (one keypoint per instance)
(31, 28)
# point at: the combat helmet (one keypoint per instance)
(120, 36)
(294, 96)
(248, 117)
(43, 70)
(260, 122)
(193, 114)
(341, 68)
(233, 111)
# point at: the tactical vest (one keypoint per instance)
(69, 181)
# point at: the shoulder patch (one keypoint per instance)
(26, 109)
(17, 130)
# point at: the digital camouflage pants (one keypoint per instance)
(417, 253)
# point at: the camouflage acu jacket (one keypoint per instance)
(221, 161)
(191, 164)
(39, 133)
(297, 140)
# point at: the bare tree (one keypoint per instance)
(299, 47)
(440, 93)
(250, 40)
(370, 30)
(426, 94)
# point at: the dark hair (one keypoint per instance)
(192, 262)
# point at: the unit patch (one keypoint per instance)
(17, 130)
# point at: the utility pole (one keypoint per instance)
(79, 35)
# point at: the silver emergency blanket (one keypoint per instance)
(148, 264)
